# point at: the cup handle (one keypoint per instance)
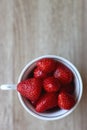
(8, 87)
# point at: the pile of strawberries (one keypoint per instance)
(51, 86)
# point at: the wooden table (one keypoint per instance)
(31, 28)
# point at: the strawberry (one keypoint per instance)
(30, 88)
(65, 101)
(34, 103)
(46, 102)
(47, 64)
(64, 74)
(38, 73)
(69, 88)
(51, 84)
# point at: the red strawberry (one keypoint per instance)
(46, 102)
(30, 88)
(47, 64)
(65, 101)
(34, 103)
(64, 74)
(69, 88)
(38, 73)
(51, 84)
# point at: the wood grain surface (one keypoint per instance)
(31, 28)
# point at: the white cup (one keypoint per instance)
(53, 115)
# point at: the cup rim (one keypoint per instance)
(63, 60)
